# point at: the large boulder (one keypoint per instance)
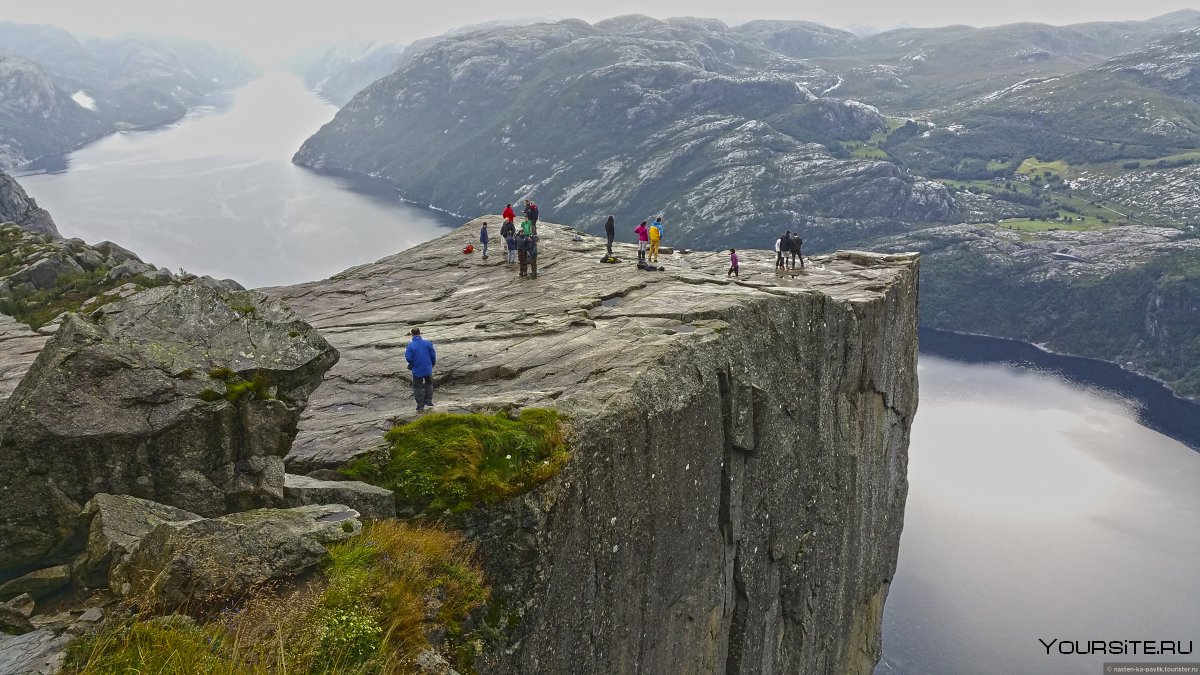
(370, 501)
(177, 395)
(38, 583)
(202, 562)
(117, 524)
(44, 274)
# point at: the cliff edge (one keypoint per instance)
(736, 492)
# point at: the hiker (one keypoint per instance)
(483, 238)
(610, 231)
(508, 215)
(421, 357)
(794, 249)
(522, 249)
(733, 266)
(655, 237)
(507, 230)
(531, 213)
(527, 227)
(779, 253)
(532, 256)
(643, 240)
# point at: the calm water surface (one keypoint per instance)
(1038, 507)
(217, 193)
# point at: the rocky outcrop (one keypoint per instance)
(18, 207)
(371, 502)
(735, 497)
(19, 346)
(202, 562)
(176, 394)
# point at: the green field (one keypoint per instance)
(1033, 165)
(1031, 225)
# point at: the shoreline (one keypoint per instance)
(1158, 407)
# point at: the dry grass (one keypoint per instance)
(381, 598)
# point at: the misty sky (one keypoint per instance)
(268, 30)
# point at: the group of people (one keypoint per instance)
(520, 241)
(521, 246)
(787, 245)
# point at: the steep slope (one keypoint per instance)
(735, 493)
(61, 92)
(632, 116)
(340, 71)
(18, 207)
(923, 70)
(1129, 295)
(1145, 103)
(36, 117)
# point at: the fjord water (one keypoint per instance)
(217, 193)
(1038, 507)
(1041, 507)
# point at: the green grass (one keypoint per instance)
(445, 462)
(1033, 225)
(1032, 166)
(369, 612)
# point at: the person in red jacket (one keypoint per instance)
(509, 214)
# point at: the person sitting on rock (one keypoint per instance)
(643, 234)
(733, 265)
(509, 216)
(421, 357)
(507, 230)
(483, 239)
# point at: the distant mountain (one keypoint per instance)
(62, 91)
(340, 71)
(631, 116)
(920, 70)
(1144, 103)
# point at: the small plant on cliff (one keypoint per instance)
(446, 462)
(385, 596)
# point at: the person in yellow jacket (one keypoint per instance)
(656, 229)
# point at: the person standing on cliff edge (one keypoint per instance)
(421, 357)
(610, 231)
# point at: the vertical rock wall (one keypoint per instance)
(739, 509)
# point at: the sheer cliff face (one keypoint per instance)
(735, 499)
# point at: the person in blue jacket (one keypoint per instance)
(421, 357)
(483, 239)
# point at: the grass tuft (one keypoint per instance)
(447, 462)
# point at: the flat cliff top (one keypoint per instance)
(575, 337)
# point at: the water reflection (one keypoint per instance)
(217, 193)
(1038, 509)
